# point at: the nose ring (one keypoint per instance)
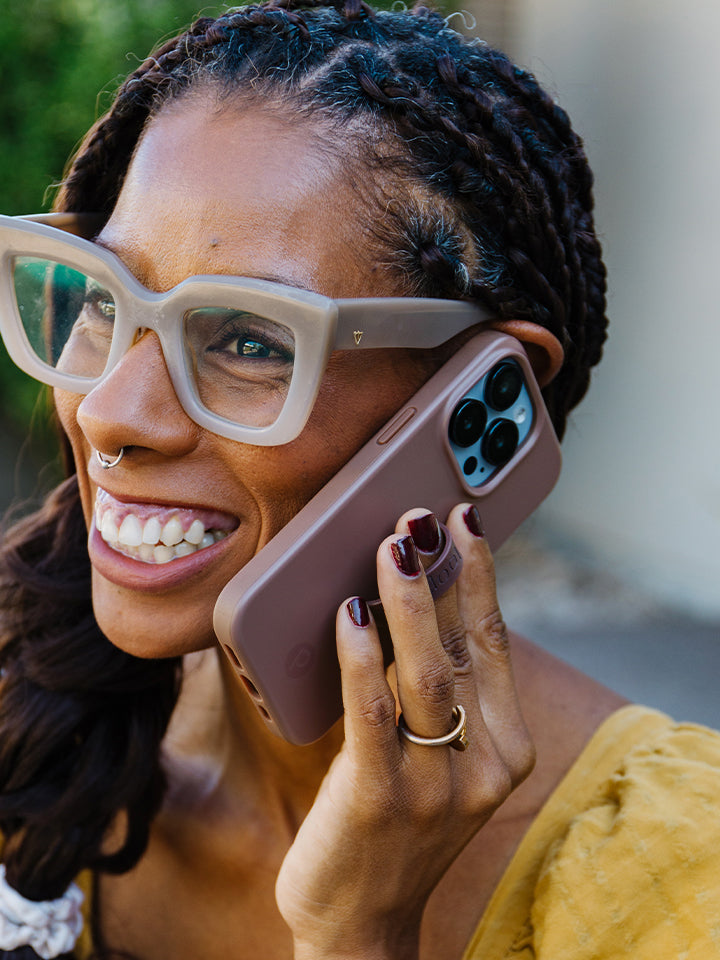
(106, 463)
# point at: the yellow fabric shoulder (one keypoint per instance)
(624, 858)
(84, 946)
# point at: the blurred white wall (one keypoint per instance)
(640, 491)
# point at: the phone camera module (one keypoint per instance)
(468, 422)
(503, 386)
(500, 442)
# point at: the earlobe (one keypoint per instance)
(543, 348)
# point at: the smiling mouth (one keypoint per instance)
(157, 534)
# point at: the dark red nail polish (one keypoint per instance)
(358, 612)
(425, 532)
(473, 521)
(406, 556)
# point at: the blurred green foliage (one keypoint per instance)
(60, 62)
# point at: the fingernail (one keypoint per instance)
(358, 612)
(425, 532)
(473, 521)
(405, 556)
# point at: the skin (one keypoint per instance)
(257, 839)
(244, 226)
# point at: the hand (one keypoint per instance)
(391, 815)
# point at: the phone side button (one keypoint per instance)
(396, 425)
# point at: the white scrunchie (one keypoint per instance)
(50, 927)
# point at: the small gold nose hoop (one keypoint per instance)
(106, 462)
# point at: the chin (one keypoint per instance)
(152, 635)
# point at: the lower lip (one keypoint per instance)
(138, 575)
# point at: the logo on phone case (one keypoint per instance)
(299, 660)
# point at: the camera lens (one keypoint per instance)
(503, 386)
(467, 422)
(500, 442)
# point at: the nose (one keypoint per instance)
(136, 406)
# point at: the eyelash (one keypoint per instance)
(235, 330)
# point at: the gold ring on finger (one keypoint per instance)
(456, 738)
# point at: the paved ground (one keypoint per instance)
(648, 653)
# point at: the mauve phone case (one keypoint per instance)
(276, 617)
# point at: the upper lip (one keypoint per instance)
(165, 502)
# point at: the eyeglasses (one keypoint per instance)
(245, 356)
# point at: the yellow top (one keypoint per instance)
(623, 860)
(84, 946)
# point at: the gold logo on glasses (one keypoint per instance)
(358, 334)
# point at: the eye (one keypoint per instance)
(240, 335)
(100, 300)
(106, 308)
(253, 349)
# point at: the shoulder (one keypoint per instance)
(634, 870)
(623, 859)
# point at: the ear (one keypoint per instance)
(543, 348)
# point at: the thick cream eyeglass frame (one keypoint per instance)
(319, 324)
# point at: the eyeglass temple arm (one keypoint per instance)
(84, 225)
(403, 322)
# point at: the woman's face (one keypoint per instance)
(218, 192)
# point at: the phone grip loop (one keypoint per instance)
(441, 575)
(446, 569)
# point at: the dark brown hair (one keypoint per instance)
(506, 220)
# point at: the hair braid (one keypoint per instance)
(494, 149)
(80, 721)
(485, 193)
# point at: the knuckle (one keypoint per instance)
(523, 761)
(495, 785)
(377, 711)
(492, 634)
(417, 604)
(454, 641)
(436, 683)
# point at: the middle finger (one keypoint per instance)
(425, 674)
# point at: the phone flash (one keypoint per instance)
(520, 415)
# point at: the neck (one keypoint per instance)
(221, 755)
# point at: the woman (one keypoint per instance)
(349, 153)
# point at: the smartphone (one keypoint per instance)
(477, 431)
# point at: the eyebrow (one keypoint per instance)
(268, 277)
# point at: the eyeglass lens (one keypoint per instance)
(239, 363)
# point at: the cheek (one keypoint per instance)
(359, 394)
(67, 405)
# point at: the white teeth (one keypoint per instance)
(152, 531)
(130, 533)
(196, 532)
(147, 552)
(172, 532)
(151, 541)
(109, 531)
(162, 554)
(185, 549)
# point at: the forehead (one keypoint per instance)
(249, 192)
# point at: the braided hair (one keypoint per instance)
(491, 201)
(506, 212)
